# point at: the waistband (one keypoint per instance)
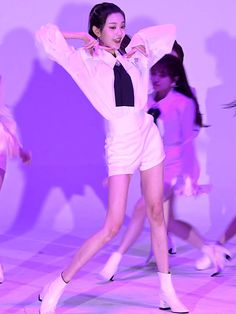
(127, 123)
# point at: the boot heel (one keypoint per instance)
(228, 257)
(1, 274)
(111, 266)
(168, 298)
(164, 306)
(42, 293)
(51, 295)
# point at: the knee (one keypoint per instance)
(111, 231)
(155, 213)
(139, 209)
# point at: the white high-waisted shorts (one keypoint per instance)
(133, 142)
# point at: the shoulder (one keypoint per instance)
(184, 101)
(151, 103)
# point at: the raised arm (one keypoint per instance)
(153, 42)
(89, 41)
(56, 47)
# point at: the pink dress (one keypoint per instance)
(9, 141)
(178, 130)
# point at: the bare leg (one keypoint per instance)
(135, 227)
(183, 229)
(2, 175)
(118, 190)
(166, 206)
(133, 231)
(152, 187)
(229, 232)
(166, 217)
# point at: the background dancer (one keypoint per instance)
(10, 145)
(177, 113)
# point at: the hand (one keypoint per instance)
(135, 49)
(93, 45)
(25, 156)
(90, 43)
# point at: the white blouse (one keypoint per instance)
(94, 74)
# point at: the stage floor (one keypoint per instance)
(31, 260)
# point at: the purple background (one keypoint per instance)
(62, 188)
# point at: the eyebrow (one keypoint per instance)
(116, 23)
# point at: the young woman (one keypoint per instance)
(176, 111)
(10, 145)
(117, 87)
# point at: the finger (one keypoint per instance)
(141, 50)
(107, 48)
(130, 54)
(91, 44)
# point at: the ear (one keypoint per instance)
(96, 31)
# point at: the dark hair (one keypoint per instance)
(232, 104)
(171, 66)
(125, 41)
(99, 13)
(178, 50)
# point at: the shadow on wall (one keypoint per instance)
(221, 151)
(138, 23)
(59, 125)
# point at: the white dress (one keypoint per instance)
(132, 139)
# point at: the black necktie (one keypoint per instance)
(124, 92)
(155, 112)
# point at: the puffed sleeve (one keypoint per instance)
(57, 48)
(158, 41)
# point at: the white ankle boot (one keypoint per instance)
(1, 274)
(204, 262)
(215, 255)
(51, 295)
(111, 266)
(168, 297)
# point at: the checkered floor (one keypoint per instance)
(32, 259)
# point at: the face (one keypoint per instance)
(113, 31)
(161, 83)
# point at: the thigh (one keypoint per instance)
(152, 185)
(118, 186)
